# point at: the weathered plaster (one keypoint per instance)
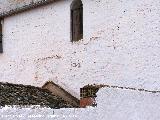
(120, 46)
(8, 5)
(12, 7)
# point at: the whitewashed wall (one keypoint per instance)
(120, 46)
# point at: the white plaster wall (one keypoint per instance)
(120, 46)
(125, 104)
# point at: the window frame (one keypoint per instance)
(76, 24)
(1, 36)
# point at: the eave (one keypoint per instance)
(25, 7)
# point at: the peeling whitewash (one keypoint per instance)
(113, 104)
(120, 47)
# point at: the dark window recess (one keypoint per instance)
(1, 46)
(88, 95)
(76, 20)
(88, 91)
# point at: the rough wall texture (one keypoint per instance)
(13, 7)
(11, 94)
(7, 5)
(113, 104)
(120, 46)
(125, 104)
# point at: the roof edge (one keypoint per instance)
(25, 8)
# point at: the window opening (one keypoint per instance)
(76, 20)
(1, 46)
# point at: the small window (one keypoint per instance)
(1, 46)
(76, 20)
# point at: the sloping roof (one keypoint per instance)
(57, 90)
(13, 94)
(10, 7)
